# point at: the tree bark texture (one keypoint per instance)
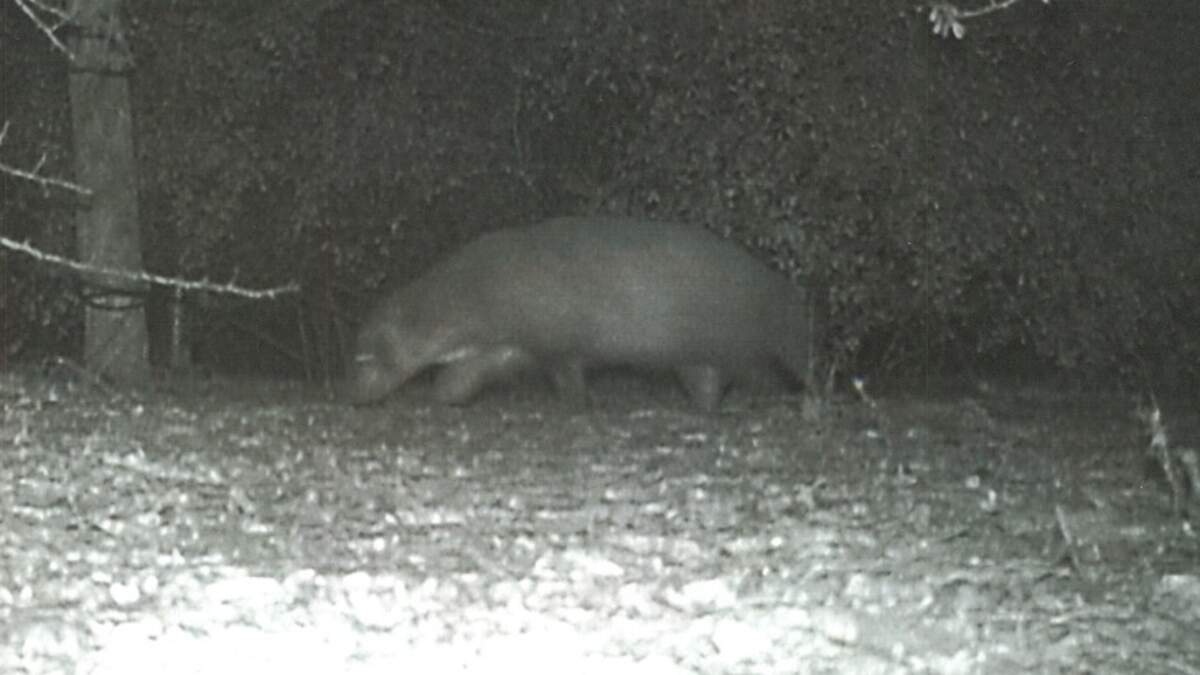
(115, 340)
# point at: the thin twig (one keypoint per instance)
(991, 7)
(147, 277)
(35, 174)
(31, 9)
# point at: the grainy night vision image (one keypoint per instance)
(638, 337)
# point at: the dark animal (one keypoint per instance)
(572, 294)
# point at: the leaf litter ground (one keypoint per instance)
(243, 528)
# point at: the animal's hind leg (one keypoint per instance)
(705, 385)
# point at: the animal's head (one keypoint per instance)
(396, 342)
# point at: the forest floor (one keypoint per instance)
(228, 528)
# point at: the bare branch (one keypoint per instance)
(146, 277)
(992, 6)
(44, 181)
(32, 9)
(35, 174)
(62, 14)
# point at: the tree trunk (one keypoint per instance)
(115, 342)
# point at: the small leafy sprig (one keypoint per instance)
(948, 19)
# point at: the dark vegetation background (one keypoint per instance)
(1023, 201)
